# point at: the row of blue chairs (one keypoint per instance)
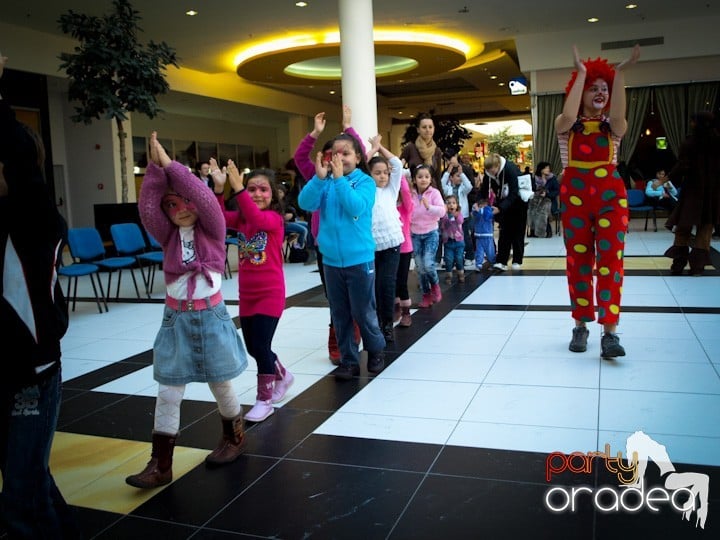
(89, 258)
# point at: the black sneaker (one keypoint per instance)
(578, 343)
(610, 345)
(345, 372)
(376, 362)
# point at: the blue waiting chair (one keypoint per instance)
(76, 270)
(130, 242)
(636, 203)
(86, 246)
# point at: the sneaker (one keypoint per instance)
(516, 266)
(610, 345)
(500, 266)
(260, 411)
(376, 362)
(579, 339)
(345, 372)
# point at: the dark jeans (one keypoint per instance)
(31, 505)
(469, 238)
(258, 332)
(512, 234)
(386, 267)
(351, 295)
(401, 283)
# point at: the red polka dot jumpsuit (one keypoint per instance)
(595, 219)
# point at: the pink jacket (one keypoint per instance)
(425, 220)
(209, 229)
(405, 209)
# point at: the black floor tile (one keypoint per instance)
(84, 403)
(110, 372)
(303, 500)
(401, 456)
(132, 418)
(510, 465)
(145, 529)
(202, 492)
(210, 534)
(92, 522)
(452, 507)
(274, 437)
(328, 394)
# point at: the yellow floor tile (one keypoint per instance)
(90, 471)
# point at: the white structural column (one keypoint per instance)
(357, 60)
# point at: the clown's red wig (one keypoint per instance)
(596, 69)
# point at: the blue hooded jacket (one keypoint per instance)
(345, 236)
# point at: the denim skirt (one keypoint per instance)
(198, 346)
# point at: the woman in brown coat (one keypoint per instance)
(697, 175)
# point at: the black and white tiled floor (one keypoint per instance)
(450, 441)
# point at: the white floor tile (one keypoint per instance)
(523, 438)
(687, 377)
(534, 406)
(450, 368)
(659, 412)
(681, 449)
(414, 399)
(546, 371)
(388, 428)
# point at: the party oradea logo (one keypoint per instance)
(685, 493)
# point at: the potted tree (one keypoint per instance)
(111, 73)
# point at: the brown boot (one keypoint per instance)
(461, 276)
(679, 255)
(698, 259)
(231, 445)
(158, 471)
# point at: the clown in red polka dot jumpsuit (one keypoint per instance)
(592, 193)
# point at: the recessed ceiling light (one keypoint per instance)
(493, 77)
(332, 92)
(191, 13)
(501, 84)
(593, 19)
(301, 4)
(399, 112)
(631, 6)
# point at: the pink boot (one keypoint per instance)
(436, 293)
(283, 381)
(426, 300)
(263, 406)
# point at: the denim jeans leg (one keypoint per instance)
(338, 290)
(432, 242)
(361, 289)
(30, 504)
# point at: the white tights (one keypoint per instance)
(167, 405)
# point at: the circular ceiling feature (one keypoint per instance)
(328, 67)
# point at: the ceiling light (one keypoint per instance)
(191, 13)
(332, 92)
(593, 20)
(501, 84)
(493, 77)
(631, 6)
(301, 4)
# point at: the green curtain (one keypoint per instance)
(637, 101)
(672, 105)
(701, 97)
(545, 145)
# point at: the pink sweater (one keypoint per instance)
(209, 231)
(425, 220)
(260, 265)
